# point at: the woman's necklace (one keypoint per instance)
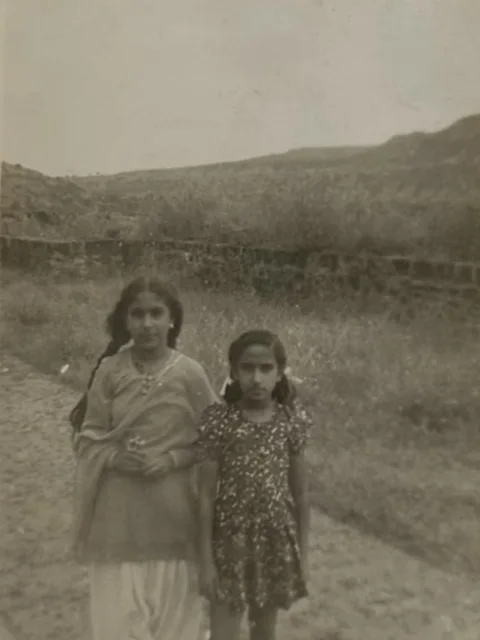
(150, 370)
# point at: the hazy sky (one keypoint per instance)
(111, 85)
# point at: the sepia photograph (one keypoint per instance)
(239, 320)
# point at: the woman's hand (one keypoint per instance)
(129, 462)
(208, 580)
(160, 467)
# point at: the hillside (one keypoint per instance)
(42, 206)
(416, 192)
(307, 156)
(457, 144)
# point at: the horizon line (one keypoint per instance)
(246, 159)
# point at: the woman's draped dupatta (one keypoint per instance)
(95, 447)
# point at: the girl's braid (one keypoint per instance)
(120, 336)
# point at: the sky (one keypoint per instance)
(115, 85)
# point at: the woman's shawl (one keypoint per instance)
(98, 442)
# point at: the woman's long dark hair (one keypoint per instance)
(116, 325)
(284, 392)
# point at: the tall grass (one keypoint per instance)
(396, 442)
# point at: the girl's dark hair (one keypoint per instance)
(284, 392)
(116, 325)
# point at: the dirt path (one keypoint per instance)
(361, 588)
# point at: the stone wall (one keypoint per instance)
(359, 271)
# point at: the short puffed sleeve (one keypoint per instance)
(300, 427)
(212, 432)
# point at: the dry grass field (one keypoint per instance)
(394, 458)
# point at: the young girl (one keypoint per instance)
(253, 492)
(136, 499)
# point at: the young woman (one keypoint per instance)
(136, 498)
(253, 493)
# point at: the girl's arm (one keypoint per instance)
(207, 495)
(210, 444)
(299, 488)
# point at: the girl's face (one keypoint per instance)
(257, 373)
(148, 321)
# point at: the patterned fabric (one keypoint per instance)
(255, 536)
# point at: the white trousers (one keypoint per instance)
(146, 601)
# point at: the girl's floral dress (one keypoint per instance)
(255, 536)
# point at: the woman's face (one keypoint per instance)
(257, 373)
(149, 321)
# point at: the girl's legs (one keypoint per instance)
(262, 623)
(224, 623)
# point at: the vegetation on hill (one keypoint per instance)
(417, 193)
